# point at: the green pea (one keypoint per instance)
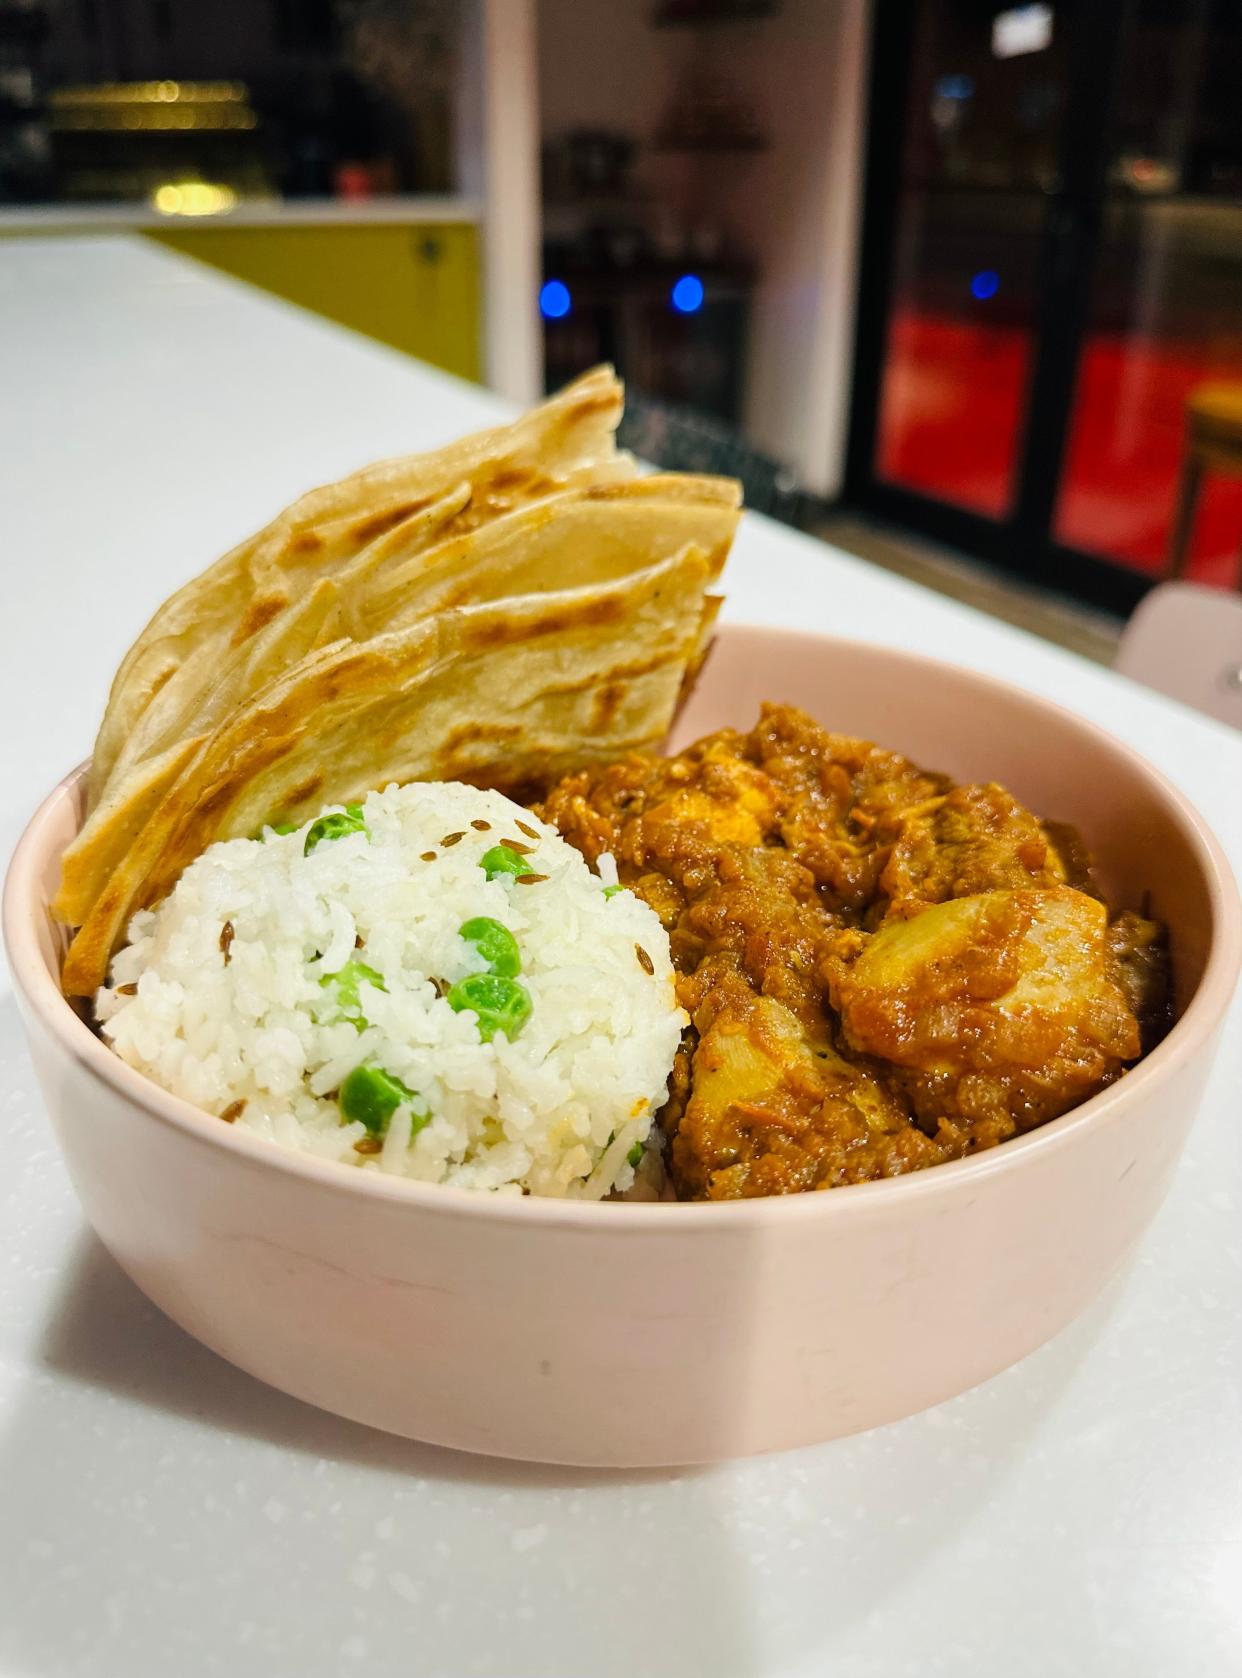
(275, 827)
(502, 1004)
(371, 1096)
(501, 860)
(635, 1154)
(495, 943)
(335, 825)
(347, 980)
(611, 891)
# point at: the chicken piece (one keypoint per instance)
(992, 996)
(973, 839)
(999, 1007)
(677, 810)
(839, 795)
(734, 803)
(859, 781)
(763, 913)
(771, 1112)
(698, 839)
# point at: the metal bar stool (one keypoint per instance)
(1213, 443)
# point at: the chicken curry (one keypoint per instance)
(883, 970)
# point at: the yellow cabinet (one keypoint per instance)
(415, 286)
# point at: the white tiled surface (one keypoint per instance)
(163, 1516)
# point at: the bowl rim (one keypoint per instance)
(1203, 1015)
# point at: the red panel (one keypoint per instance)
(1121, 469)
(951, 410)
(950, 423)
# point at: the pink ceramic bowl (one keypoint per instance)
(642, 1335)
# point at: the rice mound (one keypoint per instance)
(222, 1019)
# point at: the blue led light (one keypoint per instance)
(955, 87)
(985, 284)
(687, 295)
(554, 300)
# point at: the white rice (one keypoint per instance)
(556, 1111)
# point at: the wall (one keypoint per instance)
(601, 65)
(797, 208)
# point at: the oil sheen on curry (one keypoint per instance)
(883, 970)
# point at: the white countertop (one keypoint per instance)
(162, 1514)
(250, 212)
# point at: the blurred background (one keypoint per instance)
(957, 285)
